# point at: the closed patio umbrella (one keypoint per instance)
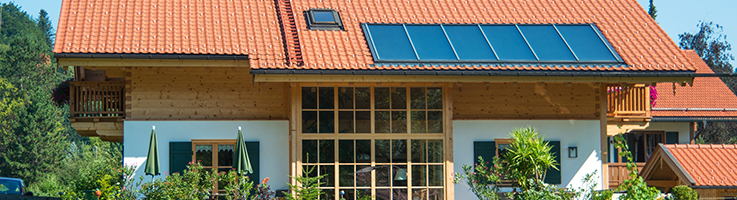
(152, 160)
(241, 162)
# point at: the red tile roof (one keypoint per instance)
(706, 92)
(252, 27)
(708, 165)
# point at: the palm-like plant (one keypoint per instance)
(529, 156)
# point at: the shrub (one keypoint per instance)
(263, 190)
(635, 186)
(528, 157)
(307, 187)
(482, 179)
(683, 192)
(237, 186)
(195, 183)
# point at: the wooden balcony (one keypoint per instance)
(97, 108)
(618, 173)
(630, 101)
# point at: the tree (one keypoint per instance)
(44, 23)
(652, 11)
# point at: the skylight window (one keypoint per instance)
(509, 43)
(323, 19)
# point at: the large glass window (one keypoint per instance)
(386, 142)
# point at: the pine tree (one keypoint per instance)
(652, 11)
(44, 23)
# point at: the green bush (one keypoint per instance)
(307, 187)
(635, 186)
(482, 179)
(195, 183)
(683, 192)
(528, 157)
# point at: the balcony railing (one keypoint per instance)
(618, 173)
(628, 101)
(97, 99)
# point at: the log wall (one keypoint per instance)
(526, 101)
(716, 193)
(202, 93)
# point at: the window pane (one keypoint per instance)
(328, 194)
(435, 121)
(418, 151)
(434, 98)
(419, 194)
(419, 124)
(399, 122)
(345, 122)
(435, 151)
(309, 98)
(309, 121)
(509, 42)
(327, 122)
(225, 155)
(310, 169)
(584, 41)
(435, 194)
(363, 179)
(203, 154)
(363, 121)
(419, 175)
(382, 98)
(382, 122)
(329, 180)
(345, 148)
(363, 193)
(435, 173)
(399, 194)
(346, 175)
(363, 98)
(383, 194)
(326, 98)
(323, 16)
(400, 175)
(327, 151)
(399, 98)
(417, 98)
(349, 194)
(382, 151)
(391, 42)
(363, 151)
(345, 98)
(469, 43)
(430, 42)
(546, 43)
(382, 175)
(309, 151)
(399, 151)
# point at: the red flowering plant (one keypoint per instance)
(482, 179)
(653, 95)
(237, 186)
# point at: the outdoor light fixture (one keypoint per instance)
(573, 152)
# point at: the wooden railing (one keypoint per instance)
(628, 101)
(618, 173)
(97, 99)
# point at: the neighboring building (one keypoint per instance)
(411, 89)
(707, 168)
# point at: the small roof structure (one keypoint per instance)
(705, 166)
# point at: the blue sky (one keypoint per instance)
(674, 16)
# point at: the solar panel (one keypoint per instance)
(493, 43)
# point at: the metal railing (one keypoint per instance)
(628, 101)
(97, 99)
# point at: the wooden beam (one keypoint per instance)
(459, 79)
(603, 127)
(108, 62)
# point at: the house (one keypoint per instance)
(708, 169)
(411, 89)
(674, 117)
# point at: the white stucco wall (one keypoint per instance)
(584, 134)
(681, 127)
(272, 136)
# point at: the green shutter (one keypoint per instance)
(553, 176)
(486, 150)
(671, 137)
(253, 156)
(180, 154)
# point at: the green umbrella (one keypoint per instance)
(241, 163)
(152, 160)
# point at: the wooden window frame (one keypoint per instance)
(215, 156)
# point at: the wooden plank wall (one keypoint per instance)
(525, 101)
(716, 193)
(218, 93)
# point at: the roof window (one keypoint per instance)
(323, 19)
(489, 43)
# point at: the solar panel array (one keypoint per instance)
(529, 43)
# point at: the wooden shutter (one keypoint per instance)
(553, 175)
(253, 156)
(671, 137)
(486, 150)
(180, 154)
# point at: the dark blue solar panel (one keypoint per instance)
(546, 43)
(469, 43)
(323, 16)
(508, 43)
(391, 43)
(430, 42)
(585, 43)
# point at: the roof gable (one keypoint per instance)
(707, 165)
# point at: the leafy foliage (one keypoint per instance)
(263, 190)
(306, 187)
(635, 186)
(237, 186)
(529, 157)
(683, 192)
(195, 183)
(482, 179)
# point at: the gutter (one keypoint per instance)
(712, 187)
(693, 119)
(694, 109)
(551, 73)
(150, 56)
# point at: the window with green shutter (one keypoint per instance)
(485, 149)
(552, 176)
(671, 137)
(180, 154)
